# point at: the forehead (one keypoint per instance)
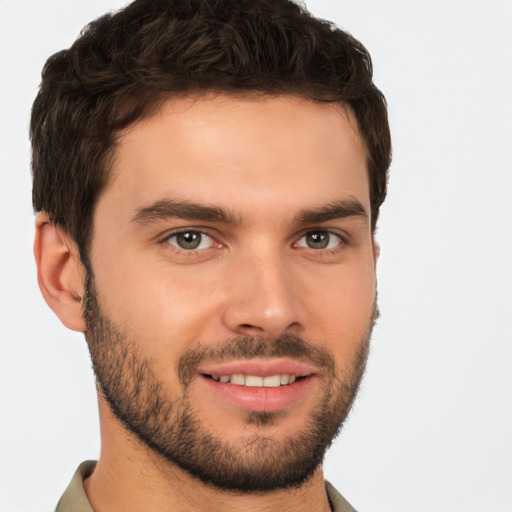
(240, 152)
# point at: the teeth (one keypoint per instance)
(274, 381)
(254, 381)
(238, 378)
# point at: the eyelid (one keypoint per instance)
(164, 239)
(342, 240)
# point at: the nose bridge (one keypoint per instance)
(263, 299)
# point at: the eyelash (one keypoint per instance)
(195, 251)
(323, 250)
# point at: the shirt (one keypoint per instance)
(74, 498)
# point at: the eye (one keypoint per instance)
(319, 240)
(191, 240)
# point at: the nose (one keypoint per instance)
(263, 298)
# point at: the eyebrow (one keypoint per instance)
(335, 210)
(165, 209)
(171, 208)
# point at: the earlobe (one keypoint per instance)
(60, 273)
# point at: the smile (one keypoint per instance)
(256, 381)
(259, 385)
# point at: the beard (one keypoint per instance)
(167, 422)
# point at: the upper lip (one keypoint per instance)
(260, 366)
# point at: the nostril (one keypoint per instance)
(250, 327)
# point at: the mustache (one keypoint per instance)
(248, 347)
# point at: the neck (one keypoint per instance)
(130, 477)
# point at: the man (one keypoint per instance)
(208, 176)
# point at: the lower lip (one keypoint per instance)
(261, 398)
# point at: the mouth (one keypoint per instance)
(257, 381)
(259, 385)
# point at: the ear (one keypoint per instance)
(60, 273)
(376, 250)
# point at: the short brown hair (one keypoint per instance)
(125, 64)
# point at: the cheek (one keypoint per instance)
(166, 308)
(342, 311)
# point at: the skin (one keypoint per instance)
(264, 160)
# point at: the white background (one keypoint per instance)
(432, 428)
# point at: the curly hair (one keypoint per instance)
(125, 64)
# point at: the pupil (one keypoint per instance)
(317, 240)
(189, 240)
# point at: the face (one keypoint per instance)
(232, 291)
